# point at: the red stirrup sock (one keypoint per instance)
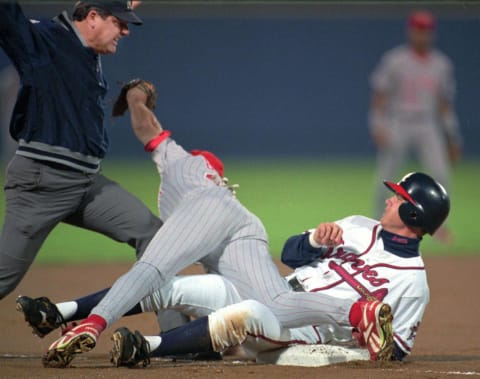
(98, 322)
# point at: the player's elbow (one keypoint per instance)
(289, 256)
(145, 131)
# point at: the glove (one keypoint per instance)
(121, 105)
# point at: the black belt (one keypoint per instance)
(295, 284)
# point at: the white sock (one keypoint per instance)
(67, 309)
(154, 342)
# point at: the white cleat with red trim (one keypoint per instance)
(80, 339)
(372, 322)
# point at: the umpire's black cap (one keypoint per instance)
(123, 10)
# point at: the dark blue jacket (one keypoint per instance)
(59, 114)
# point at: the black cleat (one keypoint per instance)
(129, 349)
(40, 313)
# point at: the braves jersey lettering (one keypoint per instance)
(359, 266)
(355, 284)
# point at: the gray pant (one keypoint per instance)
(39, 195)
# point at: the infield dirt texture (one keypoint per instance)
(447, 346)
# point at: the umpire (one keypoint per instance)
(58, 122)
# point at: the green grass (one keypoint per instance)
(288, 196)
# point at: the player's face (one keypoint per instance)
(108, 32)
(391, 218)
(420, 39)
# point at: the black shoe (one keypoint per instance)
(40, 313)
(129, 349)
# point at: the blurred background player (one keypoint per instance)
(412, 109)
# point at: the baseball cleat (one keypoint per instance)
(373, 329)
(40, 313)
(129, 349)
(80, 339)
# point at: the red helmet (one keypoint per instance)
(212, 159)
(423, 20)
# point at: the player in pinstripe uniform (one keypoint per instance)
(204, 222)
(412, 107)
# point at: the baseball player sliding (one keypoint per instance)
(370, 260)
(412, 108)
(204, 222)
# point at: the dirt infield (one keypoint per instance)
(448, 343)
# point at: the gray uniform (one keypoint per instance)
(414, 85)
(39, 195)
(205, 222)
(58, 120)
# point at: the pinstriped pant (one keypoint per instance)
(215, 228)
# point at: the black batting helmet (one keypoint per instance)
(427, 204)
